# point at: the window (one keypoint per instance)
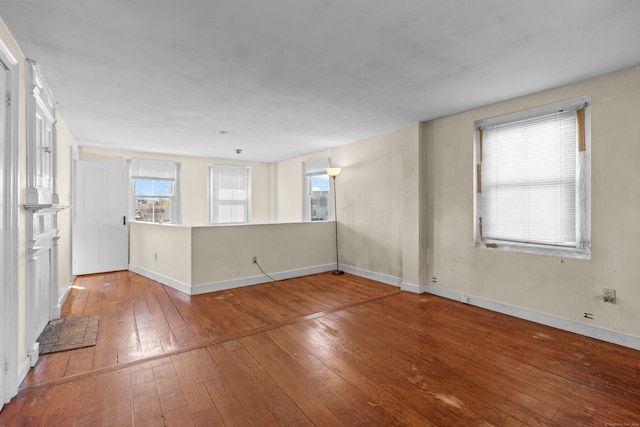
(533, 181)
(154, 187)
(229, 194)
(315, 188)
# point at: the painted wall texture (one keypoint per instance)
(565, 288)
(193, 256)
(225, 253)
(370, 198)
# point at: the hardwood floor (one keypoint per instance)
(318, 350)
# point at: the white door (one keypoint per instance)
(4, 283)
(100, 225)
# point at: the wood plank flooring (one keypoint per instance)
(318, 350)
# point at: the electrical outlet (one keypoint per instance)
(255, 259)
(609, 296)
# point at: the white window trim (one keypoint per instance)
(306, 212)
(210, 199)
(176, 205)
(583, 190)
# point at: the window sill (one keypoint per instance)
(529, 248)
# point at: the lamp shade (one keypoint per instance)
(334, 171)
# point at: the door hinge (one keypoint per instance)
(8, 99)
(5, 367)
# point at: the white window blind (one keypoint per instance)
(528, 180)
(149, 168)
(230, 194)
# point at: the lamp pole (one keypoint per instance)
(333, 172)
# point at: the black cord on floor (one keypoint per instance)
(256, 263)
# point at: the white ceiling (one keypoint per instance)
(290, 77)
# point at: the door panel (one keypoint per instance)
(5, 321)
(42, 297)
(100, 233)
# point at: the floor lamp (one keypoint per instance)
(333, 172)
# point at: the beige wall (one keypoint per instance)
(370, 203)
(225, 253)
(194, 182)
(185, 257)
(163, 249)
(565, 288)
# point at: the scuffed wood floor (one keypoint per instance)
(318, 350)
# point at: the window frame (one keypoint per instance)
(162, 173)
(307, 175)
(170, 197)
(582, 249)
(211, 200)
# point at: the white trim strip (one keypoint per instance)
(228, 284)
(579, 328)
(256, 280)
(571, 105)
(172, 283)
(378, 277)
(58, 309)
(23, 370)
(602, 334)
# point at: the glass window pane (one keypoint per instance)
(143, 186)
(153, 209)
(319, 197)
(162, 188)
(153, 187)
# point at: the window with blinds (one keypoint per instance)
(229, 194)
(532, 180)
(155, 185)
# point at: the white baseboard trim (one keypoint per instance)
(378, 277)
(411, 287)
(602, 334)
(58, 309)
(228, 284)
(33, 353)
(256, 280)
(23, 370)
(172, 283)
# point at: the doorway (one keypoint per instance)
(8, 226)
